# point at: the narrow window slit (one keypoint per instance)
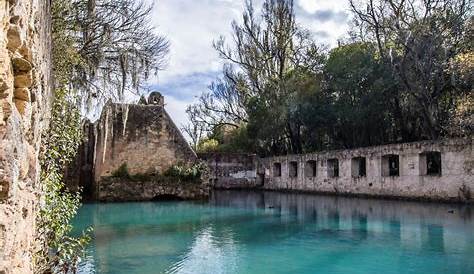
(430, 163)
(358, 167)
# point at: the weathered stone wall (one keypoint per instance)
(232, 171)
(142, 136)
(24, 104)
(313, 172)
(123, 190)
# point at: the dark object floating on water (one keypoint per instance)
(451, 211)
(271, 206)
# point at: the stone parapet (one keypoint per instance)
(429, 170)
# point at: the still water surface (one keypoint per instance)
(269, 232)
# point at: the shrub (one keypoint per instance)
(60, 143)
(121, 172)
(179, 172)
(187, 174)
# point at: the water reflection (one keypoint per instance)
(362, 216)
(271, 232)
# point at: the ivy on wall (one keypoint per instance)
(62, 251)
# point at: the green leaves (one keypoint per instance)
(187, 173)
(59, 146)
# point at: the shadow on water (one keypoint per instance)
(272, 232)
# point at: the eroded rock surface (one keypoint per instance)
(24, 104)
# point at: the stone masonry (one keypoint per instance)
(24, 103)
(142, 136)
(232, 170)
(124, 190)
(428, 170)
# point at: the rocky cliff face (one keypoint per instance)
(24, 101)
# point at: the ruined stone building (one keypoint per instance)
(440, 170)
(24, 104)
(140, 136)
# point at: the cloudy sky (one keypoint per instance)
(192, 25)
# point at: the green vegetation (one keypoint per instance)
(101, 50)
(59, 148)
(404, 74)
(178, 173)
(122, 172)
(184, 173)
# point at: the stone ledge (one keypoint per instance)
(123, 190)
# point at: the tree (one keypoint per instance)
(419, 39)
(266, 49)
(101, 49)
(222, 106)
(114, 45)
(195, 132)
(362, 91)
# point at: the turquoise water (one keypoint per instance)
(269, 232)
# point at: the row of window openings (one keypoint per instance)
(430, 164)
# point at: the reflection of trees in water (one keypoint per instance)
(363, 217)
(241, 219)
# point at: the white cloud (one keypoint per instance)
(328, 20)
(192, 25)
(312, 6)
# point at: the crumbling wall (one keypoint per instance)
(455, 181)
(142, 136)
(123, 190)
(24, 104)
(232, 170)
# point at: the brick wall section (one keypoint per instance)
(24, 104)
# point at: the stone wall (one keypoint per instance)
(141, 136)
(24, 104)
(232, 171)
(373, 171)
(124, 190)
